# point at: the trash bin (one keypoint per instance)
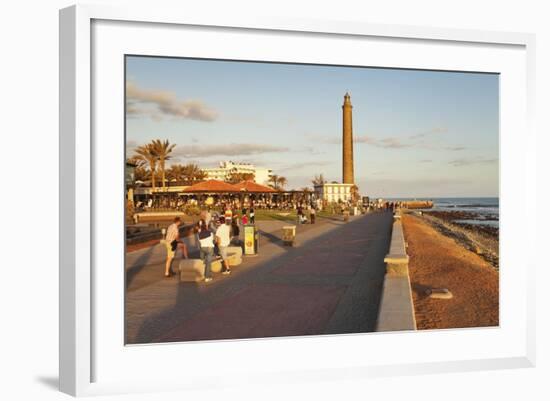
(346, 215)
(251, 239)
(289, 235)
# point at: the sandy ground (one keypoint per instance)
(439, 261)
(482, 240)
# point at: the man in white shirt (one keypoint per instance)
(172, 241)
(223, 238)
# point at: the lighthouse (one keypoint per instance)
(347, 141)
(346, 191)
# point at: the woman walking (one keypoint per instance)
(206, 241)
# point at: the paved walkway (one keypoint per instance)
(329, 283)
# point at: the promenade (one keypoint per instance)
(329, 283)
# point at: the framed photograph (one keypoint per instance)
(279, 200)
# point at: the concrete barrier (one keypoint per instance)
(396, 310)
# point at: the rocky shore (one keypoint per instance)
(478, 238)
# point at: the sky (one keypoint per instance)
(416, 133)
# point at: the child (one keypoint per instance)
(245, 219)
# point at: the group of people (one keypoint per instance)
(215, 233)
(302, 211)
(210, 240)
(179, 203)
(381, 205)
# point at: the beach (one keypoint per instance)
(460, 259)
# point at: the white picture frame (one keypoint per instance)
(82, 332)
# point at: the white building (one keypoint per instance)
(226, 168)
(334, 192)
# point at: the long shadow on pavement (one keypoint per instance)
(355, 312)
(138, 266)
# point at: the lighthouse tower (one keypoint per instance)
(347, 141)
(346, 191)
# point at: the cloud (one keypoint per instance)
(426, 161)
(158, 104)
(432, 131)
(232, 149)
(301, 165)
(388, 143)
(131, 145)
(428, 188)
(470, 161)
(455, 148)
(392, 142)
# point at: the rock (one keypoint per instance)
(193, 269)
(439, 293)
(235, 250)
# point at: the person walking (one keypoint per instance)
(235, 234)
(206, 244)
(252, 216)
(172, 241)
(228, 213)
(312, 215)
(223, 238)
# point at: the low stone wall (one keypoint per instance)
(396, 310)
(148, 234)
(143, 217)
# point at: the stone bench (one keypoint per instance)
(192, 270)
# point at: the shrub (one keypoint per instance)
(191, 210)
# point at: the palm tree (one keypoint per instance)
(355, 193)
(275, 180)
(235, 178)
(318, 180)
(281, 181)
(140, 171)
(148, 154)
(176, 172)
(136, 161)
(162, 149)
(186, 174)
(193, 173)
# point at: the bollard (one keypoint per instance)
(251, 240)
(289, 235)
(346, 215)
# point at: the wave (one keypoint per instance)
(485, 205)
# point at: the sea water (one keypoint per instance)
(485, 210)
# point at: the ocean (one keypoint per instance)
(485, 211)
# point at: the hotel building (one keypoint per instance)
(226, 168)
